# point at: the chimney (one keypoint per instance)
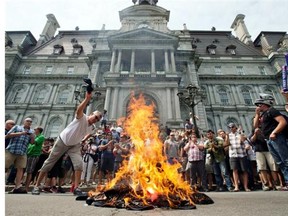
(240, 29)
(49, 30)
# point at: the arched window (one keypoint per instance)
(231, 120)
(223, 95)
(54, 127)
(247, 97)
(40, 96)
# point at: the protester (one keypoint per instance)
(272, 124)
(69, 141)
(21, 136)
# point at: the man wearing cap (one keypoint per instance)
(21, 136)
(272, 123)
(69, 141)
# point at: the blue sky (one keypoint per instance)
(261, 15)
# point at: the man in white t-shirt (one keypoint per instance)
(69, 141)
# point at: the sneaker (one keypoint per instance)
(53, 189)
(35, 191)
(78, 192)
(230, 189)
(284, 188)
(17, 191)
(265, 188)
(60, 190)
(46, 190)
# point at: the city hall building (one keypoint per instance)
(44, 76)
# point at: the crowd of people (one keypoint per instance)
(216, 161)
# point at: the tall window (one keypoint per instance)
(247, 97)
(63, 97)
(223, 97)
(218, 70)
(48, 70)
(262, 70)
(54, 127)
(27, 69)
(40, 96)
(70, 69)
(240, 70)
(19, 94)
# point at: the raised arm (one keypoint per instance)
(82, 105)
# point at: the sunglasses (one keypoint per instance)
(98, 118)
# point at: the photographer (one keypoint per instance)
(89, 149)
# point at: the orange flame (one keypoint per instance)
(147, 169)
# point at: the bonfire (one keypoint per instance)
(146, 180)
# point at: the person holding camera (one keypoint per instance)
(15, 153)
(69, 141)
(89, 149)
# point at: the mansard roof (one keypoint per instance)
(273, 38)
(221, 39)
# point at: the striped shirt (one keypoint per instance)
(236, 148)
(194, 153)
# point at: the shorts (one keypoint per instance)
(265, 160)
(31, 164)
(107, 164)
(19, 161)
(238, 163)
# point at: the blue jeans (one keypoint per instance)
(218, 168)
(279, 150)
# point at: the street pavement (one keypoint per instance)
(256, 203)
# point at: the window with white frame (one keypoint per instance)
(27, 69)
(48, 70)
(247, 97)
(262, 70)
(223, 95)
(70, 70)
(217, 70)
(240, 70)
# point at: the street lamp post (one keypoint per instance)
(190, 99)
(79, 94)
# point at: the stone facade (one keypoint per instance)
(142, 57)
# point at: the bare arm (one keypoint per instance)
(280, 127)
(82, 105)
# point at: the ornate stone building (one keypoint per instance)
(143, 56)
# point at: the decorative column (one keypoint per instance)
(95, 67)
(166, 62)
(118, 67)
(132, 66)
(177, 104)
(53, 93)
(168, 98)
(235, 95)
(211, 91)
(112, 65)
(115, 102)
(153, 71)
(29, 96)
(173, 61)
(107, 98)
